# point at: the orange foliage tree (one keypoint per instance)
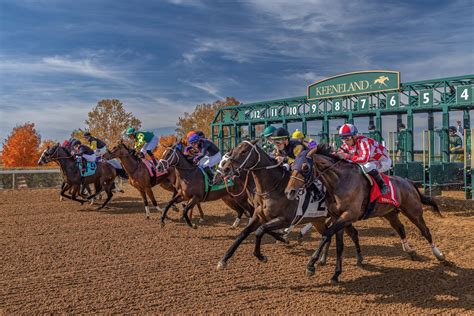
(48, 143)
(201, 118)
(21, 146)
(165, 141)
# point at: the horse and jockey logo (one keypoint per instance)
(381, 81)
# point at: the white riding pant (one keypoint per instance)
(150, 146)
(90, 158)
(101, 151)
(382, 165)
(115, 163)
(211, 161)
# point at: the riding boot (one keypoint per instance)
(210, 174)
(378, 178)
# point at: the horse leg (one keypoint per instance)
(304, 231)
(339, 250)
(339, 224)
(241, 237)
(167, 207)
(108, 190)
(64, 187)
(150, 194)
(189, 206)
(201, 213)
(354, 235)
(397, 225)
(175, 208)
(274, 224)
(320, 225)
(145, 201)
(75, 190)
(417, 219)
(240, 212)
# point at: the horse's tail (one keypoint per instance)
(426, 200)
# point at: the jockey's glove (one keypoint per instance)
(286, 166)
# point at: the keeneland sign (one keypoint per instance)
(355, 83)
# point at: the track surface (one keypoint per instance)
(63, 257)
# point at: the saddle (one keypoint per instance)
(376, 196)
(214, 187)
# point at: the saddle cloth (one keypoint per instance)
(214, 187)
(390, 198)
(151, 168)
(90, 169)
(309, 206)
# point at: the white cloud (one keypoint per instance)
(206, 87)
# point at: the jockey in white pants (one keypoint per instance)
(365, 151)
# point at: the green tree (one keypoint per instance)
(108, 120)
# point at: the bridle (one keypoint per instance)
(254, 167)
(242, 166)
(49, 156)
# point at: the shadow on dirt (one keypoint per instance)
(439, 287)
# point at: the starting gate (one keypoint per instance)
(412, 119)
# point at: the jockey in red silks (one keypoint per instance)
(365, 151)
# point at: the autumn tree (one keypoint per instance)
(165, 141)
(201, 118)
(20, 149)
(108, 120)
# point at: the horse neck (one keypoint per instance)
(264, 179)
(68, 166)
(129, 164)
(329, 176)
(183, 163)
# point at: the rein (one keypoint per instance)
(265, 194)
(254, 167)
(243, 190)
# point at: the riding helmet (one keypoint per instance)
(268, 131)
(280, 133)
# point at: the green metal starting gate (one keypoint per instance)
(421, 151)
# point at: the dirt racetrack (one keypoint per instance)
(61, 257)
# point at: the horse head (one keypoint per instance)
(53, 153)
(308, 166)
(246, 156)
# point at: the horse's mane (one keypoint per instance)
(326, 150)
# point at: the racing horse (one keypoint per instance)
(190, 183)
(139, 176)
(274, 210)
(348, 198)
(103, 178)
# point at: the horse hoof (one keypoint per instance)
(322, 263)
(412, 255)
(194, 226)
(334, 281)
(201, 220)
(232, 227)
(162, 224)
(221, 265)
(310, 271)
(360, 263)
(263, 259)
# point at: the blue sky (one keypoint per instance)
(161, 58)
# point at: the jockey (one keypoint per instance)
(208, 155)
(81, 151)
(96, 144)
(365, 151)
(267, 145)
(146, 140)
(287, 149)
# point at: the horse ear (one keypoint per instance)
(311, 152)
(255, 141)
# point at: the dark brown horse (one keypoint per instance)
(102, 179)
(139, 177)
(274, 211)
(191, 188)
(348, 198)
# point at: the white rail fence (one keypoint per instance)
(19, 182)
